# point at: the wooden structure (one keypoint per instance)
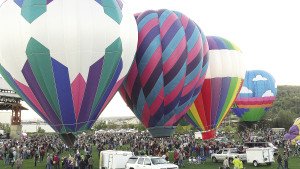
(10, 100)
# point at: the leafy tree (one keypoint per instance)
(100, 125)
(283, 120)
(5, 127)
(183, 129)
(41, 130)
(140, 127)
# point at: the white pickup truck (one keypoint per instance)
(231, 153)
(149, 162)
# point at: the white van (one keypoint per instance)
(198, 135)
(258, 156)
(112, 159)
(262, 145)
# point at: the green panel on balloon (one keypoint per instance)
(32, 9)
(111, 61)
(233, 85)
(110, 8)
(41, 65)
(254, 114)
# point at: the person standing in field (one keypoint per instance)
(226, 163)
(19, 163)
(279, 161)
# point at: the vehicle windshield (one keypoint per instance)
(132, 160)
(234, 151)
(156, 161)
(271, 145)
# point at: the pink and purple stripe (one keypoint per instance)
(165, 77)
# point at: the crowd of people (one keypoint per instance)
(48, 149)
(80, 156)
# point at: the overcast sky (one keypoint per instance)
(267, 31)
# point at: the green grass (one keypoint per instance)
(29, 164)
(294, 163)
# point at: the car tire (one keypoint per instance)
(269, 163)
(230, 160)
(255, 163)
(214, 160)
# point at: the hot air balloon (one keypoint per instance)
(294, 132)
(168, 70)
(256, 96)
(222, 84)
(66, 58)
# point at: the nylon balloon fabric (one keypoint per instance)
(66, 59)
(294, 132)
(221, 86)
(168, 70)
(256, 96)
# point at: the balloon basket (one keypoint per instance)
(68, 138)
(207, 135)
(162, 131)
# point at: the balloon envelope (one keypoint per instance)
(256, 96)
(66, 58)
(222, 84)
(294, 132)
(168, 71)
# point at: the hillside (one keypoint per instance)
(286, 107)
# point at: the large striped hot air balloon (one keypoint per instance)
(222, 84)
(66, 58)
(256, 96)
(168, 71)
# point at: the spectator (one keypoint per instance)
(279, 161)
(236, 163)
(180, 158)
(285, 160)
(90, 162)
(36, 157)
(82, 164)
(226, 163)
(19, 163)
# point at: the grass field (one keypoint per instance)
(294, 163)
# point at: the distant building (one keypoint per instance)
(120, 120)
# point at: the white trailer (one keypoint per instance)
(112, 159)
(198, 135)
(258, 156)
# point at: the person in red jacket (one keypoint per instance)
(176, 156)
(56, 161)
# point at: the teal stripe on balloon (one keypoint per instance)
(145, 20)
(149, 52)
(190, 77)
(140, 105)
(204, 70)
(154, 93)
(41, 65)
(112, 9)
(32, 9)
(173, 44)
(111, 60)
(174, 82)
(163, 17)
(193, 39)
